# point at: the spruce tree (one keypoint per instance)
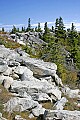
(2, 29)
(29, 24)
(39, 28)
(59, 28)
(46, 29)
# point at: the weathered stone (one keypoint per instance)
(4, 52)
(62, 115)
(27, 75)
(19, 104)
(49, 79)
(71, 93)
(4, 78)
(14, 76)
(18, 117)
(20, 70)
(13, 63)
(21, 52)
(7, 81)
(31, 116)
(42, 69)
(13, 55)
(36, 86)
(59, 105)
(8, 71)
(40, 97)
(3, 66)
(23, 94)
(38, 111)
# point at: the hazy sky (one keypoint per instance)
(17, 12)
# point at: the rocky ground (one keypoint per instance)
(30, 83)
(28, 37)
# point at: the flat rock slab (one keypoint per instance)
(20, 104)
(62, 115)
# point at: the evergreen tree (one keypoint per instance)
(39, 28)
(46, 29)
(72, 27)
(36, 29)
(22, 29)
(17, 29)
(52, 29)
(56, 24)
(59, 28)
(13, 30)
(29, 25)
(2, 29)
(61, 25)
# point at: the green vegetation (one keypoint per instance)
(60, 42)
(61, 47)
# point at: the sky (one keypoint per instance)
(17, 12)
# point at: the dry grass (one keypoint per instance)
(8, 43)
(11, 116)
(47, 105)
(71, 104)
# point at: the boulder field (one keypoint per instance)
(32, 81)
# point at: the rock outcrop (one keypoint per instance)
(28, 37)
(32, 81)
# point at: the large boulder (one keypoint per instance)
(36, 86)
(4, 52)
(41, 68)
(62, 115)
(3, 66)
(6, 80)
(20, 104)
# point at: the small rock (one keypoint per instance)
(8, 72)
(38, 111)
(59, 105)
(7, 82)
(71, 93)
(41, 97)
(27, 75)
(13, 63)
(31, 116)
(18, 117)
